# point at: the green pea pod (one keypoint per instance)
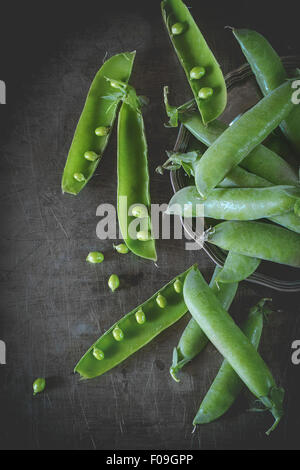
(261, 161)
(242, 137)
(237, 268)
(193, 340)
(232, 343)
(134, 334)
(270, 74)
(133, 179)
(227, 384)
(236, 203)
(99, 112)
(258, 240)
(194, 53)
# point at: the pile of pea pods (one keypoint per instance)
(238, 178)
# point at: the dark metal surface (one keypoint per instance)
(53, 305)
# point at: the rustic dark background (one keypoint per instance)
(54, 305)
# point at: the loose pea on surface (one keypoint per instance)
(91, 156)
(140, 317)
(197, 73)
(178, 286)
(113, 282)
(39, 386)
(79, 177)
(140, 212)
(118, 334)
(161, 301)
(143, 236)
(177, 29)
(95, 257)
(205, 93)
(102, 131)
(122, 249)
(98, 354)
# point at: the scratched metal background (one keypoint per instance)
(53, 305)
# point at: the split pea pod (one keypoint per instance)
(227, 384)
(270, 74)
(135, 330)
(95, 124)
(134, 204)
(201, 67)
(242, 137)
(260, 160)
(237, 203)
(232, 343)
(193, 340)
(258, 240)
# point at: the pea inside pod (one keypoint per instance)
(202, 69)
(139, 327)
(95, 124)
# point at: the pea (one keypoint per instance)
(102, 131)
(122, 249)
(143, 236)
(161, 301)
(39, 386)
(118, 334)
(91, 156)
(178, 286)
(197, 72)
(140, 317)
(177, 29)
(95, 257)
(79, 177)
(205, 93)
(114, 84)
(140, 212)
(98, 354)
(113, 282)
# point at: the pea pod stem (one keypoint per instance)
(227, 385)
(134, 333)
(232, 343)
(99, 111)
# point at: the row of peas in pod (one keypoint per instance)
(238, 178)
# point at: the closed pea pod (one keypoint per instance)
(259, 240)
(242, 137)
(133, 178)
(236, 203)
(136, 334)
(227, 384)
(232, 343)
(201, 67)
(193, 340)
(270, 74)
(99, 113)
(237, 268)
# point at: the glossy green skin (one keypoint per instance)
(261, 161)
(135, 336)
(193, 340)
(270, 74)
(133, 176)
(230, 341)
(97, 112)
(192, 51)
(236, 203)
(258, 240)
(241, 138)
(227, 384)
(39, 386)
(237, 268)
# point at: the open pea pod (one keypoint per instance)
(134, 204)
(95, 124)
(135, 330)
(270, 74)
(201, 67)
